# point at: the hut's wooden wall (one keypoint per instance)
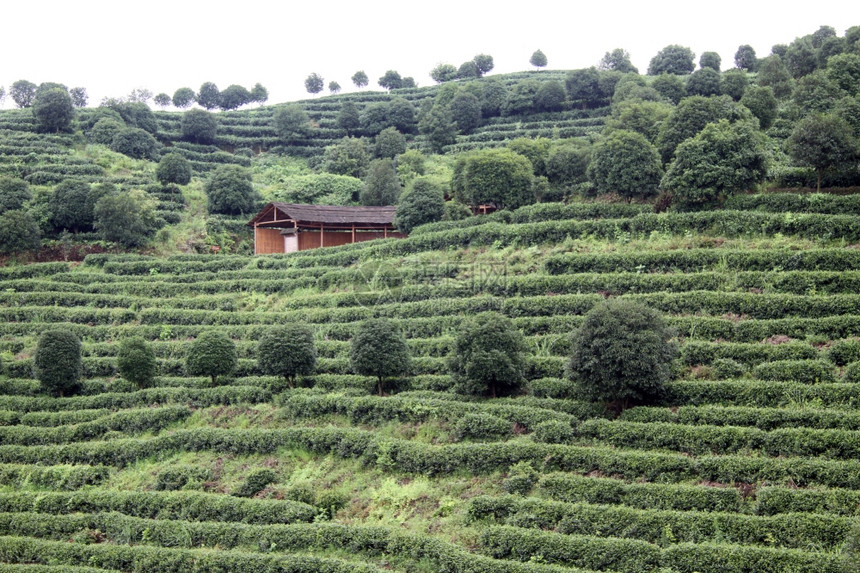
(268, 241)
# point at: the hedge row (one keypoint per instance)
(180, 505)
(633, 556)
(476, 458)
(701, 352)
(126, 421)
(701, 439)
(53, 477)
(664, 527)
(761, 393)
(796, 203)
(762, 418)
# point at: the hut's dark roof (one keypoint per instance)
(333, 214)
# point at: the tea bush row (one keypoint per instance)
(53, 477)
(762, 418)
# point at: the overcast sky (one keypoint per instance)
(112, 47)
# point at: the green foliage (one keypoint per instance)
(162, 100)
(57, 362)
(255, 482)
(183, 97)
(208, 95)
(125, 218)
(762, 103)
(348, 117)
(745, 58)
(259, 94)
(800, 58)
(803, 371)
(622, 353)
(443, 73)
(349, 156)
(105, 130)
(567, 163)
(710, 60)
(291, 122)
(379, 349)
(135, 114)
(199, 126)
(14, 193)
(468, 70)
(624, 162)
(704, 82)
(359, 79)
(670, 86)
(211, 354)
(53, 110)
(484, 63)
(673, 59)
(69, 208)
(466, 111)
(22, 93)
(135, 142)
(723, 159)
(500, 176)
(320, 189)
(773, 73)
(381, 186)
(422, 202)
(135, 361)
(538, 59)
(18, 232)
(583, 87)
(643, 117)
(551, 96)
(314, 83)
(823, 142)
(521, 99)
(233, 97)
(180, 477)
(287, 351)
(726, 368)
(617, 60)
(816, 92)
(489, 356)
(173, 168)
(535, 150)
(690, 117)
(844, 70)
(389, 143)
(439, 128)
(391, 80)
(495, 94)
(333, 87)
(844, 352)
(481, 427)
(229, 191)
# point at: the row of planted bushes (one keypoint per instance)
(796, 203)
(665, 527)
(759, 393)
(53, 477)
(476, 458)
(762, 418)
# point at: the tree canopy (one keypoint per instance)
(359, 79)
(498, 176)
(199, 126)
(673, 59)
(381, 186)
(379, 349)
(422, 202)
(174, 169)
(53, 110)
(314, 83)
(211, 354)
(625, 162)
(229, 191)
(538, 59)
(287, 350)
(823, 142)
(57, 362)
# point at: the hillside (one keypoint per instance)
(747, 464)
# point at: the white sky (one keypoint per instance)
(112, 47)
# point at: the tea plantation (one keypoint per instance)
(749, 462)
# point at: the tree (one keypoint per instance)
(173, 169)
(626, 163)
(816, 92)
(704, 82)
(721, 160)
(259, 94)
(349, 156)
(22, 93)
(125, 218)
(391, 80)
(135, 361)
(79, 97)
(348, 117)
(233, 96)
(484, 63)
(379, 349)
(494, 96)
(772, 72)
(439, 128)
(314, 83)
(53, 110)
(199, 126)
(844, 70)
(489, 356)
(745, 58)
(583, 87)
(400, 114)
(19, 232)
(443, 73)
(183, 97)
(291, 122)
(823, 142)
(408, 82)
(422, 202)
(733, 83)
(68, 206)
(208, 95)
(14, 193)
(466, 111)
(229, 191)
(643, 117)
(710, 60)
(287, 351)
(136, 143)
(622, 353)
(800, 58)
(535, 150)
(359, 79)
(162, 100)
(673, 59)
(617, 60)
(762, 103)
(139, 95)
(671, 87)
(691, 115)
(211, 354)
(381, 186)
(521, 99)
(57, 362)
(2, 95)
(498, 176)
(538, 59)
(468, 70)
(333, 87)
(389, 143)
(136, 114)
(105, 130)
(567, 163)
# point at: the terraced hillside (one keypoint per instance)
(750, 463)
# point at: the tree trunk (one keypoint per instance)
(379, 386)
(818, 189)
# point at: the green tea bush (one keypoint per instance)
(136, 361)
(553, 432)
(725, 368)
(804, 371)
(844, 352)
(179, 477)
(255, 482)
(482, 427)
(57, 362)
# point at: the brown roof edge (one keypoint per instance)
(330, 213)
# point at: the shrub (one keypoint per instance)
(379, 349)
(844, 352)
(135, 361)
(136, 143)
(481, 427)
(57, 362)
(180, 477)
(173, 168)
(804, 371)
(852, 373)
(229, 191)
(287, 351)
(725, 368)
(13, 193)
(622, 353)
(18, 232)
(489, 355)
(105, 130)
(522, 477)
(255, 482)
(423, 202)
(211, 354)
(553, 432)
(199, 126)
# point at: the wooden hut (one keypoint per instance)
(289, 227)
